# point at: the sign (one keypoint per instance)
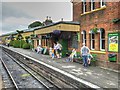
(113, 42)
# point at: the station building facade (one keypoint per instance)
(99, 28)
(64, 32)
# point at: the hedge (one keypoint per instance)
(26, 46)
(18, 43)
(11, 43)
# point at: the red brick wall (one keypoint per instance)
(76, 11)
(102, 18)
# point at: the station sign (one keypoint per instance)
(113, 42)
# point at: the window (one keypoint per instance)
(37, 42)
(102, 39)
(92, 4)
(84, 6)
(102, 3)
(92, 41)
(83, 36)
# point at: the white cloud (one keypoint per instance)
(20, 21)
(18, 15)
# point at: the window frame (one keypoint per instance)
(101, 3)
(84, 36)
(92, 4)
(101, 40)
(84, 6)
(91, 41)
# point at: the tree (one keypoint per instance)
(35, 24)
(27, 39)
(19, 37)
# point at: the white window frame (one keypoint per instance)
(101, 5)
(84, 6)
(92, 41)
(92, 1)
(39, 41)
(101, 41)
(83, 37)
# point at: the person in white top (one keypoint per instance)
(39, 48)
(55, 49)
(85, 52)
(59, 48)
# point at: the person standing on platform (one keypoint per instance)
(85, 51)
(59, 48)
(55, 49)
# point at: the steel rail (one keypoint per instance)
(47, 87)
(41, 76)
(16, 87)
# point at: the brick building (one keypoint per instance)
(97, 20)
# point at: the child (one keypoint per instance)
(72, 55)
(89, 58)
(53, 55)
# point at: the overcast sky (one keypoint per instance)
(18, 15)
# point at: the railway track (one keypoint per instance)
(24, 77)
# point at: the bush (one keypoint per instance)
(26, 46)
(18, 43)
(11, 43)
(94, 58)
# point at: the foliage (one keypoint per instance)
(95, 30)
(11, 43)
(19, 37)
(18, 43)
(115, 20)
(31, 46)
(27, 37)
(22, 42)
(19, 32)
(33, 36)
(26, 46)
(94, 58)
(35, 24)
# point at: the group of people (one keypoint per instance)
(85, 53)
(56, 51)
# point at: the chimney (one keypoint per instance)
(61, 19)
(49, 18)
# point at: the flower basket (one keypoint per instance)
(95, 30)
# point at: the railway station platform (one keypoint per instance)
(93, 75)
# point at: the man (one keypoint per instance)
(59, 48)
(85, 51)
